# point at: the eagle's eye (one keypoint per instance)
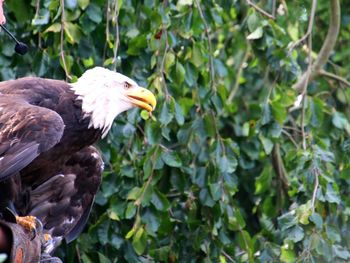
(127, 85)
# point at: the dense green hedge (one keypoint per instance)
(227, 168)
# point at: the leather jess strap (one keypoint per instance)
(23, 249)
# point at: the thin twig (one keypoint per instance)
(292, 128)
(290, 137)
(138, 201)
(239, 74)
(316, 173)
(309, 27)
(307, 74)
(228, 256)
(37, 9)
(116, 42)
(302, 119)
(331, 37)
(274, 8)
(63, 21)
(246, 244)
(304, 93)
(78, 253)
(262, 11)
(162, 65)
(107, 21)
(211, 60)
(335, 77)
(280, 170)
(106, 30)
(281, 175)
(218, 136)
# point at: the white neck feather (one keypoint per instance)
(100, 100)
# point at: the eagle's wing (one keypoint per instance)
(63, 203)
(25, 132)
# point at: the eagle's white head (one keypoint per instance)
(105, 94)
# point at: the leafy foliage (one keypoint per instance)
(219, 173)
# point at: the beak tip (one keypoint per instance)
(143, 98)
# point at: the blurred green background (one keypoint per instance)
(219, 172)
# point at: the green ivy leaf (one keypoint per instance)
(253, 22)
(103, 258)
(267, 144)
(71, 4)
(180, 73)
(72, 32)
(169, 61)
(295, 234)
(333, 234)
(227, 163)
(130, 210)
(340, 121)
(263, 181)
(331, 195)
(341, 252)
(215, 191)
(56, 27)
(42, 18)
(83, 3)
(153, 133)
(317, 220)
(179, 115)
(287, 256)
(160, 201)
(197, 55)
(139, 241)
(287, 220)
(134, 193)
(256, 34)
(171, 159)
(303, 213)
(165, 116)
(279, 112)
(94, 13)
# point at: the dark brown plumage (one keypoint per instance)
(63, 202)
(48, 167)
(35, 118)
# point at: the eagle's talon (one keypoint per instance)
(47, 244)
(37, 230)
(31, 224)
(47, 237)
(38, 225)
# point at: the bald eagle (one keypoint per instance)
(48, 166)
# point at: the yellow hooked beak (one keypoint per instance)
(142, 98)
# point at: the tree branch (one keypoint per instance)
(279, 168)
(262, 11)
(316, 173)
(290, 137)
(335, 77)
(162, 65)
(309, 27)
(304, 92)
(116, 42)
(242, 63)
(229, 258)
(211, 60)
(63, 21)
(326, 49)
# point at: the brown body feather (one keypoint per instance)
(47, 168)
